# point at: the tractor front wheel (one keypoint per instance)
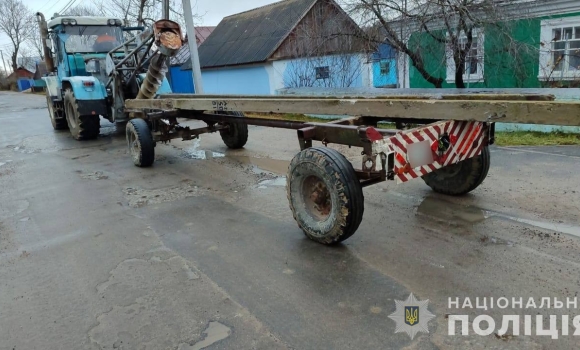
(57, 117)
(82, 127)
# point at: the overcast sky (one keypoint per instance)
(211, 10)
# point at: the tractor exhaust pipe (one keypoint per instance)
(44, 36)
(168, 40)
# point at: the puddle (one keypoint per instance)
(213, 334)
(447, 211)
(200, 154)
(279, 181)
(194, 152)
(454, 213)
(275, 166)
(5, 162)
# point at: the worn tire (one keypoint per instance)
(140, 142)
(325, 195)
(82, 127)
(236, 135)
(57, 117)
(460, 178)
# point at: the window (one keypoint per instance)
(90, 39)
(560, 49)
(322, 72)
(385, 67)
(473, 69)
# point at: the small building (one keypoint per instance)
(287, 44)
(23, 77)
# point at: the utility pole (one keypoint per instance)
(165, 9)
(4, 62)
(192, 42)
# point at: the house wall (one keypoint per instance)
(505, 65)
(245, 80)
(264, 79)
(348, 70)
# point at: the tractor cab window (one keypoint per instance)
(92, 39)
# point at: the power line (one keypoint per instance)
(65, 6)
(69, 6)
(51, 3)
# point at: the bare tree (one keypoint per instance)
(420, 28)
(34, 41)
(142, 12)
(16, 21)
(84, 10)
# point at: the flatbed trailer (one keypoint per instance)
(448, 145)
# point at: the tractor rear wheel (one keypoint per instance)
(82, 127)
(57, 117)
(325, 195)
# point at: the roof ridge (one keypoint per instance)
(263, 6)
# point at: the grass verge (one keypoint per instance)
(535, 138)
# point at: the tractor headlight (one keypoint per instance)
(69, 21)
(111, 22)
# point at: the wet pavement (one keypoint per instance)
(200, 251)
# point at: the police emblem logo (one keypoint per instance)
(411, 316)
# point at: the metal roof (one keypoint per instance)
(201, 34)
(251, 36)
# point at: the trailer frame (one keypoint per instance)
(448, 147)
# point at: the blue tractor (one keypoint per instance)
(95, 63)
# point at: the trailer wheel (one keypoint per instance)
(236, 135)
(57, 117)
(325, 195)
(140, 142)
(460, 178)
(82, 127)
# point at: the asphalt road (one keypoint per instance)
(201, 250)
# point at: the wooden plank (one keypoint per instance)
(486, 97)
(525, 112)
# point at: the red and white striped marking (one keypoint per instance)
(469, 139)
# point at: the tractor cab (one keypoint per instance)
(81, 45)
